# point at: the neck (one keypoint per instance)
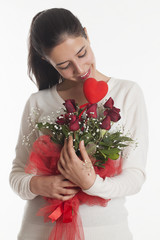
(67, 84)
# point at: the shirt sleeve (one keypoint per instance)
(134, 160)
(19, 180)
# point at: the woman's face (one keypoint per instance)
(73, 59)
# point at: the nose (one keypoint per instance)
(77, 69)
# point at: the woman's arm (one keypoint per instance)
(134, 160)
(127, 183)
(28, 186)
(19, 180)
(56, 187)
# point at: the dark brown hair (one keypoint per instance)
(48, 29)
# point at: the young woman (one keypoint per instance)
(61, 59)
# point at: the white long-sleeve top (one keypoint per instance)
(128, 97)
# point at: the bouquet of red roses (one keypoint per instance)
(102, 145)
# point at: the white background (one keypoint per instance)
(125, 37)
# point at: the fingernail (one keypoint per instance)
(82, 142)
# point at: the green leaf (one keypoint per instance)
(103, 154)
(100, 156)
(87, 137)
(91, 148)
(122, 145)
(105, 144)
(102, 133)
(65, 130)
(109, 151)
(47, 131)
(79, 111)
(107, 141)
(114, 156)
(99, 164)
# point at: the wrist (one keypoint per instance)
(34, 182)
(89, 183)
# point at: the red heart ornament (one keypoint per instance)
(94, 90)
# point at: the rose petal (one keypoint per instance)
(61, 120)
(117, 110)
(106, 123)
(70, 105)
(106, 112)
(114, 114)
(109, 103)
(74, 123)
(92, 110)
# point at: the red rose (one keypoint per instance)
(114, 114)
(61, 120)
(70, 105)
(92, 110)
(74, 123)
(106, 123)
(112, 111)
(109, 103)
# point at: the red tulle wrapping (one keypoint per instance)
(43, 161)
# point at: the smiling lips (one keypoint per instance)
(86, 75)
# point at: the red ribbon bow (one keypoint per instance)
(64, 209)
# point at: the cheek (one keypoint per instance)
(90, 58)
(65, 74)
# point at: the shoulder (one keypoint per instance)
(39, 95)
(124, 89)
(44, 99)
(35, 102)
(126, 94)
(125, 85)
(43, 103)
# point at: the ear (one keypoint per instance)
(85, 30)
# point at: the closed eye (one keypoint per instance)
(63, 68)
(81, 56)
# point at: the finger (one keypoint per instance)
(64, 152)
(67, 183)
(61, 169)
(62, 161)
(64, 157)
(83, 151)
(65, 198)
(61, 177)
(65, 146)
(65, 191)
(70, 140)
(70, 148)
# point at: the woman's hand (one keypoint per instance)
(80, 172)
(57, 187)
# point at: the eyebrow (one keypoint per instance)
(68, 60)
